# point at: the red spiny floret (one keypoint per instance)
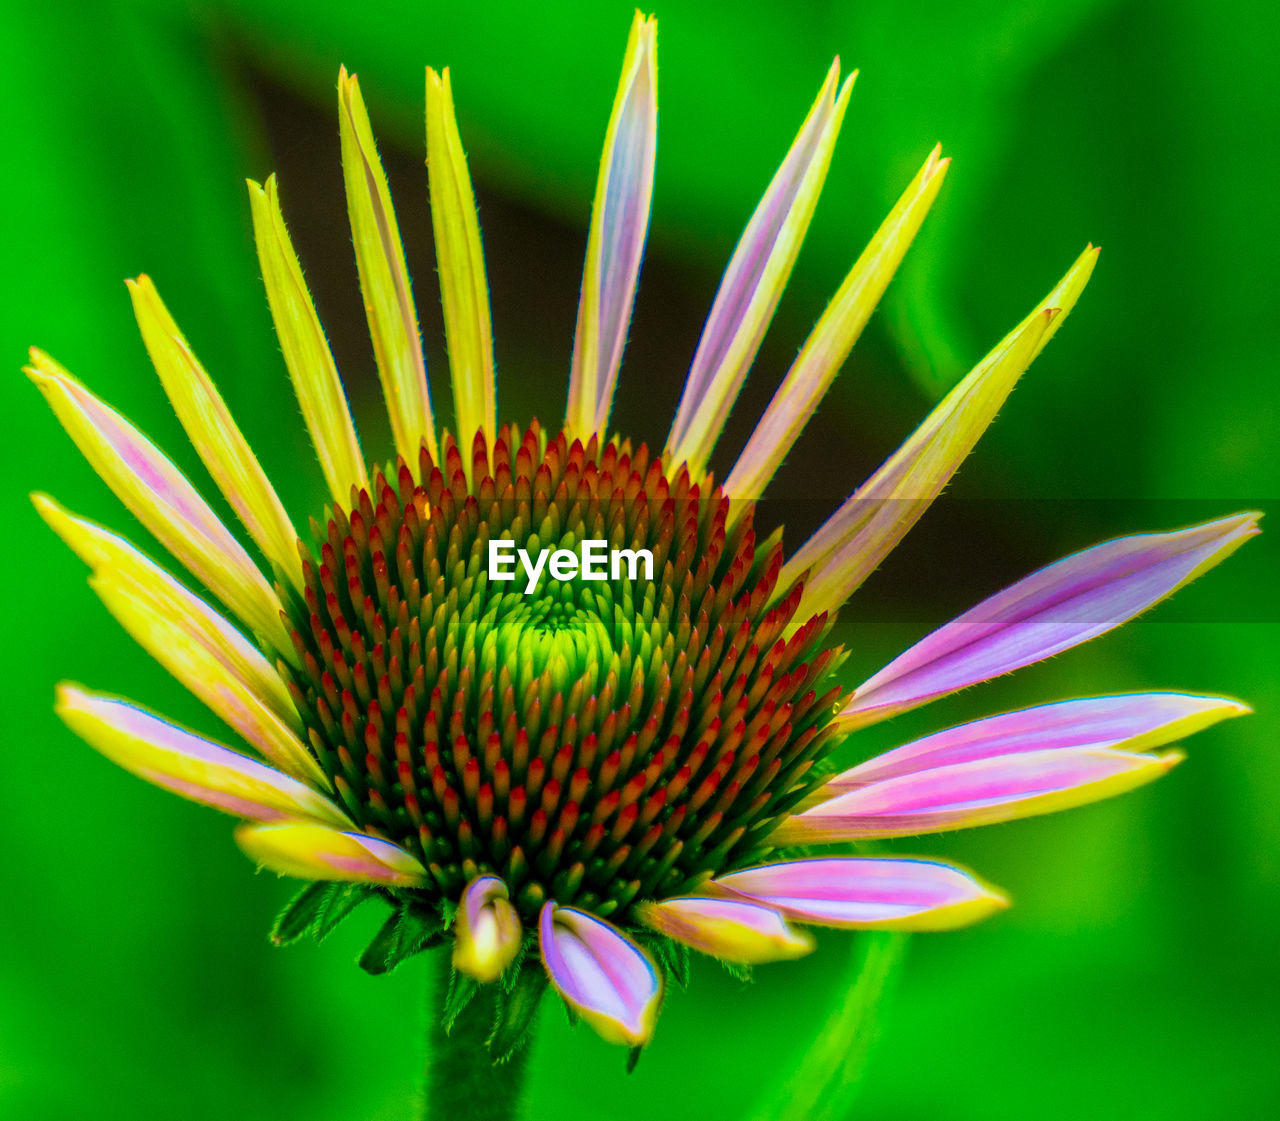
(596, 742)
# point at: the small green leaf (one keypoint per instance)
(515, 1010)
(301, 913)
(406, 932)
(344, 899)
(673, 957)
(511, 975)
(377, 955)
(462, 990)
(736, 970)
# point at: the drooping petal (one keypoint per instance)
(1135, 722)
(486, 931)
(306, 350)
(601, 973)
(103, 550)
(869, 892)
(162, 499)
(1060, 606)
(833, 337)
(198, 665)
(187, 764)
(384, 280)
(464, 291)
(858, 536)
(978, 792)
(731, 929)
(615, 244)
(316, 852)
(754, 281)
(213, 432)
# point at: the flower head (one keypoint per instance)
(575, 777)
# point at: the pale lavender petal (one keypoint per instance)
(755, 279)
(979, 792)
(1136, 722)
(900, 894)
(1060, 606)
(601, 973)
(619, 225)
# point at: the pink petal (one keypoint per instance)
(1060, 606)
(731, 929)
(977, 792)
(609, 980)
(868, 892)
(1137, 722)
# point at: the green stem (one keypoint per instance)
(462, 1080)
(827, 1079)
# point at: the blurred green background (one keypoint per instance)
(1137, 977)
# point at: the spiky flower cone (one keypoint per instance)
(576, 768)
(592, 741)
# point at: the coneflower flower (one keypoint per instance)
(574, 779)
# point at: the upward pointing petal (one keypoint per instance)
(833, 337)
(754, 280)
(611, 982)
(187, 764)
(162, 499)
(384, 280)
(1060, 606)
(878, 515)
(214, 434)
(464, 291)
(615, 245)
(306, 351)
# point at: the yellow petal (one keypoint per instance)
(178, 760)
(831, 340)
(464, 292)
(162, 499)
(487, 931)
(754, 281)
(316, 852)
(104, 551)
(306, 351)
(224, 451)
(200, 669)
(737, 930)
(615, 244)
(384, 280)
(858, 536)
